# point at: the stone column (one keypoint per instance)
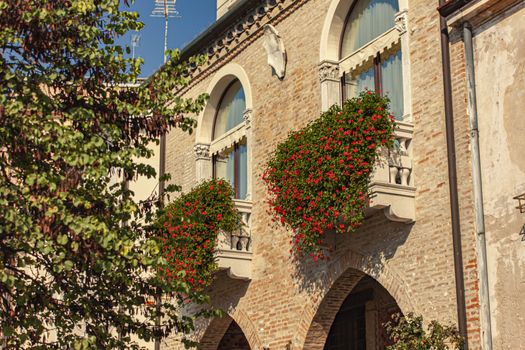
(203, 162)
(330, 84)
(248, 117)
(401, 21)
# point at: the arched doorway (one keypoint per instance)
(358, 325)
(224, 333)
(352, 313)
(234, 339)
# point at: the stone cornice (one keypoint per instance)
(240, 34)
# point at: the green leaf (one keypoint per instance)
(62, 239)
(68, 265)
(7, 331)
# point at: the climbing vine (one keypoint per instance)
(318, 177)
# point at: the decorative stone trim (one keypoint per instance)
(392, 185)
(247, 115)
(202, 151)
(329, 70)
(229, 139)
(234, 250)
(203, 166)
(330, 84)
(274, 46)
(401, 21)
(381, 44)
(241, 34)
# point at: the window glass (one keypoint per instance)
(225, 165)
(392, 82)
(368, 20)
(231, 109)
(232, 165)
(242, 170)
(359, 80)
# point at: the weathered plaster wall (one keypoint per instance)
(500, 74)
(144, 187)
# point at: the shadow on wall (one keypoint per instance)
(368, 250)
(354, 257)
(227, 291)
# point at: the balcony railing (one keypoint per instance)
(234, 249)
(392, 187)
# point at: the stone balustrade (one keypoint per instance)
(392, 184)
(234, 251)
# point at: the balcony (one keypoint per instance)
(234, 249)
(391, 185)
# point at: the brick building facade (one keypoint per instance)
(402, 258)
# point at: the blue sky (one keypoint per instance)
(196, 16)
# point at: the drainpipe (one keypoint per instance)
(486, 327)
(453, 180)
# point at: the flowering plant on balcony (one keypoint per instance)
(318, 178)
(189, 229)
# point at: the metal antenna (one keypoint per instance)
(135, 42)
(166, 9)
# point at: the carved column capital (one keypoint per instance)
(401, 21)
(247, 115)
(202, 151)
(328, 71)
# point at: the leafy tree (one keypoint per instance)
(78, 254)
(407, 333)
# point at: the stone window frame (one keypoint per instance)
(230, 139)
(332, 67)
(205, 146)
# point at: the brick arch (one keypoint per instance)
(340, 279)
(216, 329)
(214, 332)
(249, 329)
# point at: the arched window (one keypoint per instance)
(231, 161)
(380, 68)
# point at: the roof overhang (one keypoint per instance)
(226, 21)
(451, 6)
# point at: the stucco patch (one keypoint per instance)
(514, 101)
